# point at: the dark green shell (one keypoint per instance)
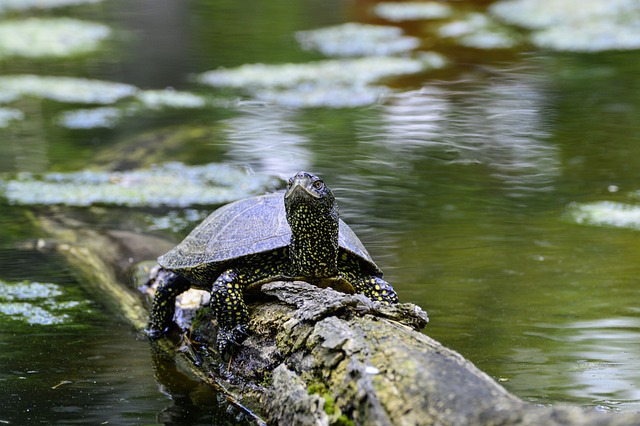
(246, 227)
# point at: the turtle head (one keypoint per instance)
(312, 213)
(309, 189)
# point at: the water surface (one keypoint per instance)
(458, 183)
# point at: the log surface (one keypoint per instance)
(314, 356)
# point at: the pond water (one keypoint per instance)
(460, 179)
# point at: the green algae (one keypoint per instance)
(479, 31)
(354, 39)
(144, 100)
(330, 83)
(412, 11)
(50, 37)
(606, 213)
(18, 5)
(8, 115)
(358, 71)
(575, 25)
(36, 303)
(169, 98)
(65, 89)
(103, 117)
(169, 184)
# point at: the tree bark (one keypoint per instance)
(314, 356)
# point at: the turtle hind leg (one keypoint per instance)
(170, 285)
(227, 303)
(376, 289)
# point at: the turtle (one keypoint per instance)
(289, 235)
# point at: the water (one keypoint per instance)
(458, 184)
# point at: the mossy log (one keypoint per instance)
(316, 356)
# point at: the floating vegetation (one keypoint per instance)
(328, 83)
(478, 31)
(575, 25)
(353, 39)
(50, 37)
(176, 220)
(93, 118)
(170, 184)
(589, 37)
(6, 5)
(412, 11)
(35, 303)
(65, 89)
(329, 96)
(169, 98)
(108, 117)
(606, 213)
(7, 115)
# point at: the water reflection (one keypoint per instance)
(594, 361)
(266, 138)
(496, 122)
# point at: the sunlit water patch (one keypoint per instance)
(50, 37)
(170, 184)
(36, 303)
(575, 25)
(354, 39)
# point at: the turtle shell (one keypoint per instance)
(246, 227)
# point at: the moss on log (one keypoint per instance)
(315, 356)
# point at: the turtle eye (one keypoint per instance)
(290, 182)
(318, 184)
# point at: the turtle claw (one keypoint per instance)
(230, 339)
(154, 334)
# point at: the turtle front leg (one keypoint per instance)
(376, 289)
(170, 285)
(230, 310)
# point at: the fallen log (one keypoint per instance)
(315, 356)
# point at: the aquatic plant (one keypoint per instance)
(35, 303)
(575, 25)
(478, 31)
(106, 117)
(354, 39)
(65, 89)
(7, 5)
(606, 213)
(330, 83)
(328, 96)
(411, 11)
(50, 37)
(7, 115)
(169, 184)
(169, 98)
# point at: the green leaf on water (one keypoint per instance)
(50, 37)
(65, 89)
(169, 184)
(575, 25)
